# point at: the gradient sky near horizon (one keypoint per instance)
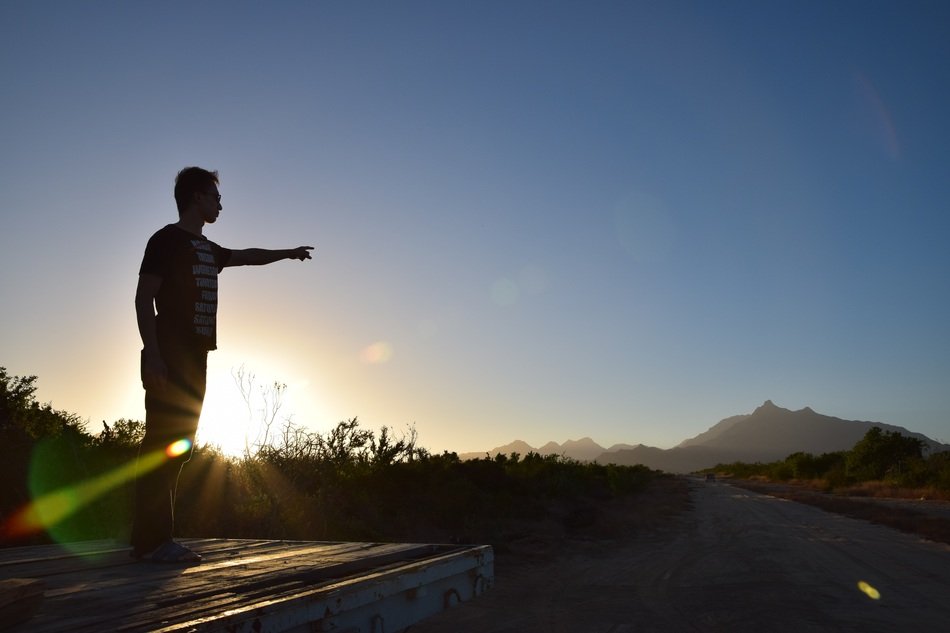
(532, 220)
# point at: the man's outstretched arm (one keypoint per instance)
(261, 256)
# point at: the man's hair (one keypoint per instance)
(192, 180)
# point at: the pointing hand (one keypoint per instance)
(301, 253)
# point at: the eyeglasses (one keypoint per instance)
(217, 195)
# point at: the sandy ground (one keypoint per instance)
(732, 560)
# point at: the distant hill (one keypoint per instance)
(517, 446)
(584, 449)
(716, 431)
(767, 434)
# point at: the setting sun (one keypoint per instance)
(226, 421)
(238, 419)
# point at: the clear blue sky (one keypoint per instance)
(532, 220)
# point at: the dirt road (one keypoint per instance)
(736, 561)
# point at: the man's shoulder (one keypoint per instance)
(169, 235)
(168, 229)
(163, 244)
(160, 234)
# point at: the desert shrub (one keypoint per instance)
(808, 466)
(780, 471)
(938, 470)
(44, 450)
(892, 460)
(360, 485)
(881, 454)
(742, 470)
(350, 483)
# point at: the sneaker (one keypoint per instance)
(169, 552)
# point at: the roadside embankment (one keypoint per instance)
(929, 519)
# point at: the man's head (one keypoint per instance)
(197, 188)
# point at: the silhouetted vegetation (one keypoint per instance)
(347, 484)
(356, 484)
(880, 460)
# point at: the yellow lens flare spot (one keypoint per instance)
(869, 591)
(377, 353)
(180, 447)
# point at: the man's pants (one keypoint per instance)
(170, 415)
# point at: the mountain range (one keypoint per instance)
(767, 434)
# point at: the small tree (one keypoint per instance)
(882, 453)
(123, 433)
(25, 424)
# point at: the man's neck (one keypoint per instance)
(192, 225)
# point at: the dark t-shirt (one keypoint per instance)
(187, 301)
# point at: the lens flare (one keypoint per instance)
(533, 279)
(644, 228)
(878, 119)
(377, 353)
(49, 509)
(180, 447)
(869, 591)
(505, 292)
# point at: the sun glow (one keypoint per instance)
(238, 423)
(227, 424)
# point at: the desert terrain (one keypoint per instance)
(691, 555)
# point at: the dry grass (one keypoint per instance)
(869, 489)
(883, 490)
(930, 527)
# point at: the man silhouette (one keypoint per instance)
(176, 305)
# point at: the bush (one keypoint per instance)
(889, 458)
